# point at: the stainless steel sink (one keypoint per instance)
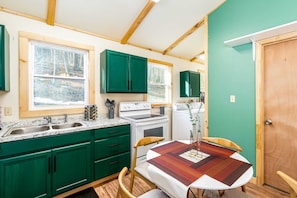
(26, 130)
(36, 129)
(67, 125)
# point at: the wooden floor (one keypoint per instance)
(109, 190)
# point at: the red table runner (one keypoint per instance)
(217, 165)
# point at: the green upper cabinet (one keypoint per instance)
(122, 73)
(189, 84)
(4, 59)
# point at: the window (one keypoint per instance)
(159, 82)
(56, 76)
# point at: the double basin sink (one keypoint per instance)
(42, 128)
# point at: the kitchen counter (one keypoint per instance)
(87, 125)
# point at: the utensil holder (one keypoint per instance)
(110, 113)
(91, 112)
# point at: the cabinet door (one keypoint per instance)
(117, 76)
(26, 176)
(195, 84)
(71, 167)
(189, 84)
(4, 59)
(138, 74)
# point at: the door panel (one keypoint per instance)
(280, 106)
(138, 74)
(26, 176)
(117, 72)
(71, 167)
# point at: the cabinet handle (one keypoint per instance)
(116, 144)
(55, 163)
(130, 84)
(49, 165)
(114, 162)
(115, 131)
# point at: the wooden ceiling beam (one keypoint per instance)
(51, 12)
(185, 35)
(197, 59)
(138, 21)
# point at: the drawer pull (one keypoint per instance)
(113, 145)
(55, 161)
(49, 165)
(114, 162)
(114, 131)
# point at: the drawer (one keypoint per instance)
(42, 143)
(111, 146)
(112, 131)
(111, 165)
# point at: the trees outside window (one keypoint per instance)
(56, 78)
(159, 83)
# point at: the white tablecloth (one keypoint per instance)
(176, 189)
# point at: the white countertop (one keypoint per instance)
(88, 125)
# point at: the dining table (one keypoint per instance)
(176, 166)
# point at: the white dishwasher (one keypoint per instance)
(181, 124)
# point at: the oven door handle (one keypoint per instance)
(151, 122)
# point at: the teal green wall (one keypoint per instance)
(231, 71)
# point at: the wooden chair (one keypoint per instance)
(141, 169)
(123, 192)
(228, 144)
(291, 182)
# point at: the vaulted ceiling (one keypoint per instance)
(172, 27)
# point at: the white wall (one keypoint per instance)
(15, 23)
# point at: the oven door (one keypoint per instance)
(157, 128)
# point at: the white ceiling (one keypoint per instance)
(165, 23)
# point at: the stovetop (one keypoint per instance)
(146, 116)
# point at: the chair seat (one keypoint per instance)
(155, 193)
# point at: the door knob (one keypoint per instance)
(268, 122)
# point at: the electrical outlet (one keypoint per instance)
(8, 111)
(232, 98)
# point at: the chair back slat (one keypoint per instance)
(223, 142)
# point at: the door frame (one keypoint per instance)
(259, 63)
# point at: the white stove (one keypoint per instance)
(143, 124)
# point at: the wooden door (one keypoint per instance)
(280, 107)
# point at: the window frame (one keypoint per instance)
(24, 99)
(170, 66)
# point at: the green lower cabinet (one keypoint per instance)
(26, 176)
(111, 146)
(71, 167)
(111, 150)
(111, 165)
(46, 173)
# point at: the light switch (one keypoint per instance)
(232, 98)
(8, 111)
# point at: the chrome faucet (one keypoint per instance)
(65, 118)
(48, 119)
